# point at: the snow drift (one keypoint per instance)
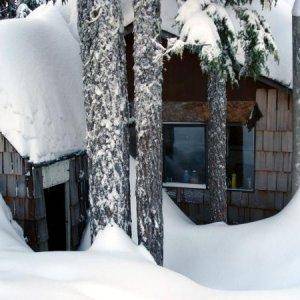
(114, 268)
(254, 256)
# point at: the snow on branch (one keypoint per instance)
(222, 40)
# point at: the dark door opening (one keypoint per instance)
(56, 217)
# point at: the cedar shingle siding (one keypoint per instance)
(21, 185)
(273, 165)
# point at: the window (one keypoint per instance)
(240, 157)
(184, 154)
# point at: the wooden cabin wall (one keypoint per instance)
(273, 162)
(184, 81)
(14, 188)
(21, 185)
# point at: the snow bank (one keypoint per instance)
(259, 255)
(41, 109)
(114, 268)
(263, 255)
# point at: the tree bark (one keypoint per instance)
(216, 139)
(296, 104)
(148, 114)
(105, 93)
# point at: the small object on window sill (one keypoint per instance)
(186, 176)
(194, 177)
(233, 181)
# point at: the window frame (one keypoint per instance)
(204, 186)
(198, 186)
(254, 160)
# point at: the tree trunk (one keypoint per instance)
(148, 114)
(296, 103)
(216, 138)
(105, 94)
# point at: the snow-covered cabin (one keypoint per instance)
(43, 166)
(42, 126)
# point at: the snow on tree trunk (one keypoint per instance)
(216, 139)
(296, 97)
(148, 114)
(105, 93)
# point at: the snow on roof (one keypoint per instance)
(41, 111)
(279, 18)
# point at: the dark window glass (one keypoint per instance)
(240, 157)
(184, 153)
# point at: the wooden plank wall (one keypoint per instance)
(21, 185)
(273, 164)
(78, 198)
(14, 187)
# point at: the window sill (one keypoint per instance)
(184, 185)
(241, 190)
(200, 187)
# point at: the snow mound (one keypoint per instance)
(112, 238)
(254, 256)
(114, 268)
(42, 112)
(259, 260)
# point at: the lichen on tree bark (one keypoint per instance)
(216, 139)
(100, 27)
(148, 115)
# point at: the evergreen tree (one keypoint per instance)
(18, 8)
(148, 110)
(23, 11)
(105, 93)
(207, 30)
(8, 9)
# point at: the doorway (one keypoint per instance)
(56, 217)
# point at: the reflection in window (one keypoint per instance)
(184, 153)
(240, 157)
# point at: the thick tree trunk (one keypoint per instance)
(296, 102)
(105, 93)
(148, 110)
(216, 138)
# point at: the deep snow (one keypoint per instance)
(262, 255)
(115, 268)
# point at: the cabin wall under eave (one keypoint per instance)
(14, 181)
(21, 185)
